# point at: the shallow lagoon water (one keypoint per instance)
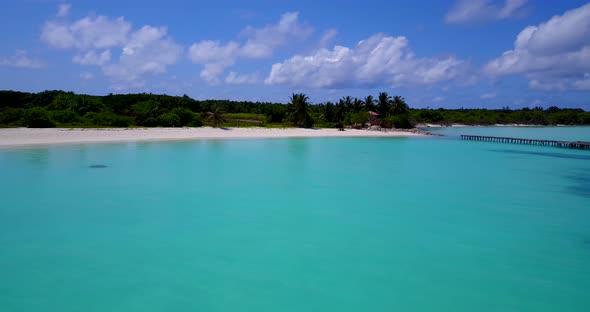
(374, 224)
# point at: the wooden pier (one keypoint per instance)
(562, 144)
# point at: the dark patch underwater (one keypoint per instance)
(97, 166)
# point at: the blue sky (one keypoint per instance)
(459, 53)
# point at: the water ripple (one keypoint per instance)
(547, 154)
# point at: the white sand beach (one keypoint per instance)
(25, 136)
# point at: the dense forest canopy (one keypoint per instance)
(67, 109)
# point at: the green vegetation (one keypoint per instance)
(66, 109)
(37, 117)
(215, 117)
(299, 111)
(536, 116)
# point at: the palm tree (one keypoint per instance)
(347, 101)
(369, 103)
(340, 111)
(299, 114)
(399, 106)
(383, 104)
(328, 112)
(357, 105)
(215, 116)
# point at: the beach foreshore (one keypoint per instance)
(11, 137)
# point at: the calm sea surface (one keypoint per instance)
(359, 224)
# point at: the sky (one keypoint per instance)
(452, 54)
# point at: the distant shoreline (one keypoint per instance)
(459, 125)
(15, 137)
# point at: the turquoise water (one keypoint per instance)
(359, 224)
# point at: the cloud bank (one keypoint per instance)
(260, 43)
(554, 55)
(141, 52)
(378, 60)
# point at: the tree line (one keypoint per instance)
(483, 117)
(67, 109)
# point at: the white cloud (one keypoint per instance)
(235, 78)
(328, 37)
(57, 35)
(466, 11)
(86, 75)
(438, 99)
(554, 55)
(209, 51)
(262, 42)
(216, 57)
(93, 58)
(547, 85)
(511, 8)
(379, 60)
(64, 10)
(21, 59)
(149, 51)
(488, 96)
(145, 51)
(92, 32)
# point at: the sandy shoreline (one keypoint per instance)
(24, 137)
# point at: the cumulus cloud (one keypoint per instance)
(148, 51)
(145, 51)
(488, 96)
(93, 32)
(262, 42)
(21, 59)
(64, 10)
(216, 56)
(466, 11)
(235, 78)
(554, 55)
(93, 58)
(379, 60)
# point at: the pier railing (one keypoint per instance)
(562, 144)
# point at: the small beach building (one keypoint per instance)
(374, 120)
